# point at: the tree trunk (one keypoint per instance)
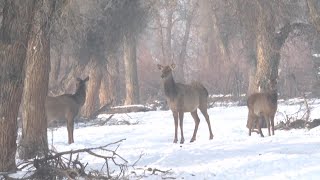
(219, 37)
(168, 57)
(55, 67)
(314, 13)
(206, 31)
(16, 24)
(252, 61)
(268, 53)
(131, 75)
(180, 75)
(34, 141)
(103, 92)
(110, 86)
(92, 88)
(252, 75)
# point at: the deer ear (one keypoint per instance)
(173, 66)
(160, 67)
(78, 79)
(86, 79)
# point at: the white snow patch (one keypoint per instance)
(232, 154)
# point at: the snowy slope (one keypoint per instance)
(232, 154)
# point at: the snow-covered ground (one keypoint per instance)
(232, 154)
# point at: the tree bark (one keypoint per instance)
(16, 24)
(34, 141)
(314, 13)
(55, 67)
(168, 56)
(206, 30)
(103, 92)
(268, 52)
(93, 87)
(221, 41)
(183, 52)
(131, 75)
(110, 86)
(250, 45)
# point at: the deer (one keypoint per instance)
(66, 107)
(183, 98)
(262, 107)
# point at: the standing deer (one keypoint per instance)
(184, 98)
(66, 107)
(262, 107)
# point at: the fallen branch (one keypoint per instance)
(104, 108)
(59, 165)
(163, 173)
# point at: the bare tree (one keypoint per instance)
(16, 25)
(131, 75)
(135, 12)
(34, 139)
(95, 74)
(170, 8)
(189, 13)
(110, 86)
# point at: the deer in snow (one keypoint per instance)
(66, 107)
(184, 98)
(262, 106)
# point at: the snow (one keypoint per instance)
(232, 154)
(316, 55)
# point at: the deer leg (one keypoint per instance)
(175, 117)
(252, 123)
(267, 119)
(69, 132)
(181, 113)
(272, 124)
(206, 116)
(195, 116)
(260, 120)
(70, 128)
(249, 122)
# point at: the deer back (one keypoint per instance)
(66, 106)
(188, 97)
(57, 108)
(262, 103)
(182, 97)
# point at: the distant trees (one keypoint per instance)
(137, 12)
(174, 22)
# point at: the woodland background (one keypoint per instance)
(231, 46)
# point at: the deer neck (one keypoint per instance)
(80, 95)
(274, 96)
(170, 87)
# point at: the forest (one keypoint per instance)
(114, 48)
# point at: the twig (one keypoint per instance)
(105, 121)
(57, 166)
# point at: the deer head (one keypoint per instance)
(166, 70)
(81, 83)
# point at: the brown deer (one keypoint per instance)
(184, 98)
(262, 107)
(66, 107)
